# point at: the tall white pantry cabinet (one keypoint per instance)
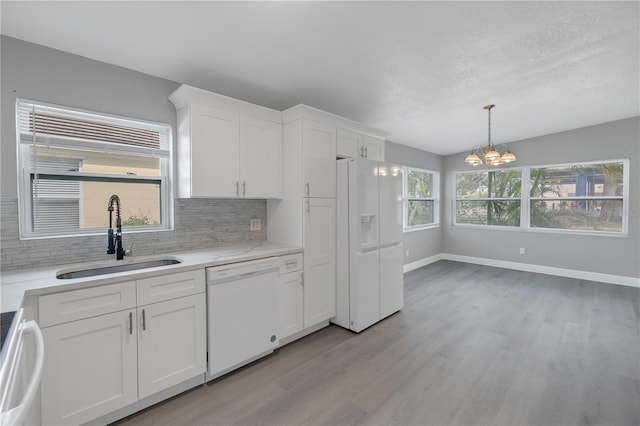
(306, 215)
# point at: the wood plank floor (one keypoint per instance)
(474, 345)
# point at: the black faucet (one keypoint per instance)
(115, 239)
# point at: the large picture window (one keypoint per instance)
(585, 197)
(72, 161)
(421, 194)
(489, 198)
(574, 198)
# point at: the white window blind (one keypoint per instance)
(44, 124)
(56, 203)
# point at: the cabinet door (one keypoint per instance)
(349, 144)
(391, 280)
(291, 304)
(260, 158)
(319, 160)
(373, 148)
(90, 368)
(214, 152)
(171, 343)
(319, 260)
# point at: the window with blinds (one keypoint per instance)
(72, 161)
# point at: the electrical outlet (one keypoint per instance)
(255, 224)
(521, 250)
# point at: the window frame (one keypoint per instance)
(26, 174)
(435, 190)
(455, 199)
(525, 201)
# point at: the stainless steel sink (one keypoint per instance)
(115, 269)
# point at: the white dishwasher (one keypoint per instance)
(242, 314)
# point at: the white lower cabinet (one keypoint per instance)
(171, 343)
(90, 368)
(99, 364)
(291, 295)
(319, 260)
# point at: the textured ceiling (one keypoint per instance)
(421, 71)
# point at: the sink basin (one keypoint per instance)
(115, 269)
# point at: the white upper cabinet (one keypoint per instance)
(214, 151)
(319, 158)
(260, 158)
(372, 148)
(227, 148)
(349, 144)
(353, 145)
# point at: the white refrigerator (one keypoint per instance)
(369, 242)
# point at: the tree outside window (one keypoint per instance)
(421, 190)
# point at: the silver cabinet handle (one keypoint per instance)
(362, 151)
(308, 189)
(130, 322)
(244, 188)
(307, 207)
(144, 321)
(366, 152)
(237, 188)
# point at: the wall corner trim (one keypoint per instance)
(420, 263)
(549, 270)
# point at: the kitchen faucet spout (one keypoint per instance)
(115, 238)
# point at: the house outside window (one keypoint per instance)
(589, 197)
(421, 199)
(72, 161)
(580, 197)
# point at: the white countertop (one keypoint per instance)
(17, 285)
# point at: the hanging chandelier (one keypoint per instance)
(491, 155)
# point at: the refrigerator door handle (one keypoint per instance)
(384, 246)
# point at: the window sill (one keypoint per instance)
(102, 232)
(542, 230)
(421, 228)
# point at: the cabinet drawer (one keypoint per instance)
(158, 289)
(290, 263)
(79, 304)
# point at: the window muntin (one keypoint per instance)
(489, 198)
(72, 161)
(588, 197)
(421, 190)
(585, 197)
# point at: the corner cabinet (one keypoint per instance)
(104, 352)
(226, 148)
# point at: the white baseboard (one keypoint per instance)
(562, 272)
(422, 262)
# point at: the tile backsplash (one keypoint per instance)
(198, 223)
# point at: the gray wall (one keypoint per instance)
(607, 255)
(39, 73)
(428, 242)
